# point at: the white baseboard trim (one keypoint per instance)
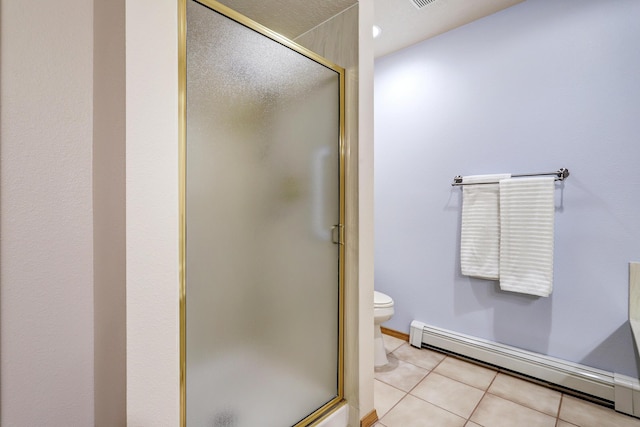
(623, 391)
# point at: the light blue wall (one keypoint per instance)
(539, 86)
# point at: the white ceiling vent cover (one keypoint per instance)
(419, 4)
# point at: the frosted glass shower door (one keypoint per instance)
(262, 201)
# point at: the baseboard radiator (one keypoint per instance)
(607, 387)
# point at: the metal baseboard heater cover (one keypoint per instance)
(621, 390)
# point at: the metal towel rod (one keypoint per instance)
(561, 174)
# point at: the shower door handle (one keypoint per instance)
(318, 187)
(337, 234)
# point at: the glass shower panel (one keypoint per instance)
(262, 195)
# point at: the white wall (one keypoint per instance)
(539, 86)
(153, 352)
(365, 219)
(46, 272)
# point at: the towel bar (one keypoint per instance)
(561, 174)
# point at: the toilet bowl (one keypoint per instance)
(382, 311)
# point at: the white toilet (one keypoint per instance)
(382, 311)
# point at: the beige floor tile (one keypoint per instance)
(391, 343)
(385, 397)
(468, 373)
(586, 414)
(494, 411)
(401, 375)
(452, 395)
(414, 412)
(534, 396)
(472, 424)
(422, 357)
(565, 424)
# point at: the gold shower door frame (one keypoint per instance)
(335, 403)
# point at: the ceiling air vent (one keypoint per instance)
(419, 4)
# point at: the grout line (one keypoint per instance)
(395, 404)
(380, 416)
(462, 382)
(439, 363)
(527, 405)
(439, 407)
(429, 371)
(486, 391)
(523, 405)
(559, 408)
(418, 366)
(391, 385)
(406, 393)
(452, 379)
(431, 403)
(418, 383)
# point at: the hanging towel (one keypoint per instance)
(526, 235)
(480, 230)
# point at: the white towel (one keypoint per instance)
(480, 230)
(526, 235)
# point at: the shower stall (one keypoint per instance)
(262, 214)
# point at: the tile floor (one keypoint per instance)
(423, 388)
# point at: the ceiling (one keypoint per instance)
(401, 22)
